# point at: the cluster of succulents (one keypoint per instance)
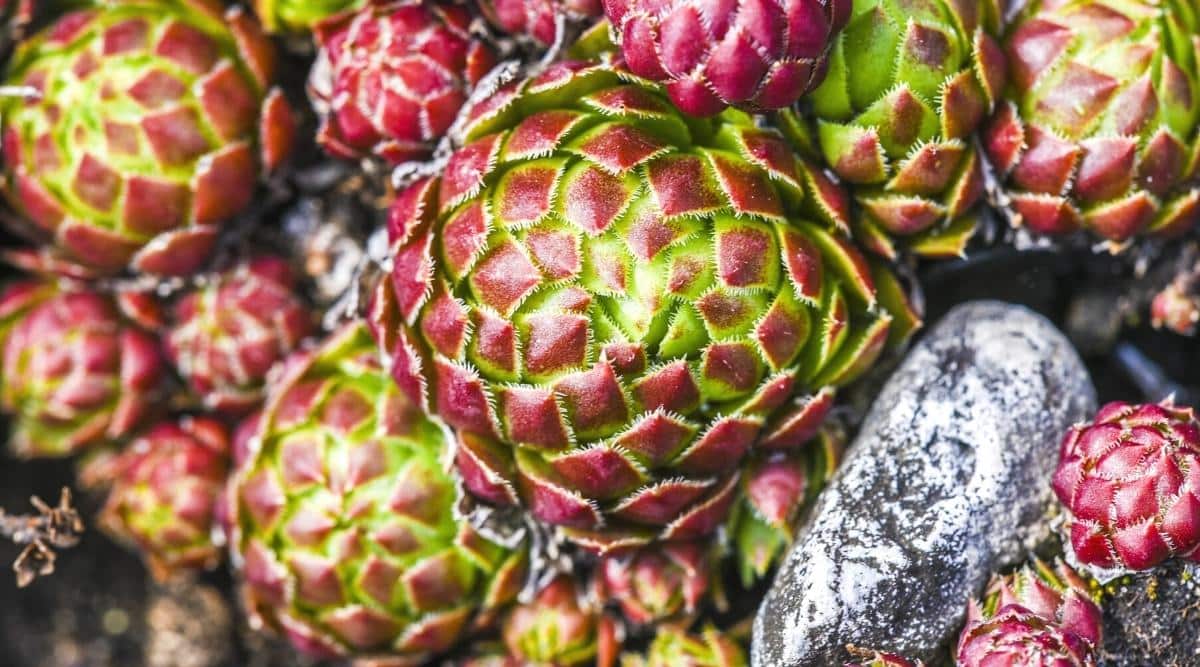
(622, 287)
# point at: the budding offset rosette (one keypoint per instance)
(657, 582)
(149, 128)
(609, 302)
(757, 55)
(1177, 306)
(1099, 130)
(300, 16)
(775, 489)
(673, 647)
(344, 520)
(1036, 617)
(165, 489)
(391, 78)
(538, 20)
(75, 372)
(558, 628)
(908, 84)
(227, 334)
(1130, 481)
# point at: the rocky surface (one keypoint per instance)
(947, 481)
(1151, 619)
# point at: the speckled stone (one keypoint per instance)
(947, 481)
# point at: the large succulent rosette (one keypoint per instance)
(344, 520)
(1100, 124)
(228, 334)
(74, 371)
(165, 488)
(149, 124)
(1130, 481)
(391, 79)
(610, 302)
(753, 55)
(908, 84)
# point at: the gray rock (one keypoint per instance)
(1151, 618)
(947, 481)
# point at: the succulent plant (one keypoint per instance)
(228, 333)
(659, 582)
(1177, 306)
(1130, 481)
(609, 301)
(673, 647)
(343, 516)
(538, 20)
(150, 125)
(301, 16)
(902, 132)
(1099, 130)
(391, 79)
(558, 628)
(756, 56)
(75, 372)
(165, 489)
(775, 489)
(1037, 616)
(871, 658)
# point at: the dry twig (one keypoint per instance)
(51, 528)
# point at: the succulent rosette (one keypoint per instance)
(343, 516)
(75, 371)
(757, 56)
(559, 627)
(391, 79)
(1099, 128)
(164, 494)
(908, 85)
(1177, 306)
(1038, 616)
(672, 647)
(776, 487)
(229, 333)
(538, 20)
(869, 658)
(610, 303)
(150, 126)
(658, 582)
(1130, 481)
(301, 16)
